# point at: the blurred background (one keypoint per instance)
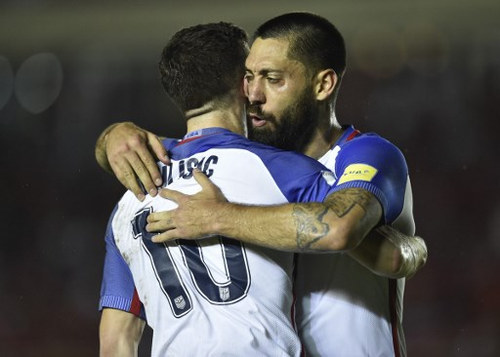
(425, 74)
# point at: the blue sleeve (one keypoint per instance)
(373, 163)
(118, 288)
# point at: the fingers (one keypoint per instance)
(159, 222)
(141, 170)
(165, 236)
(128, 168)
(125, 174)
(155, 147)
(172, 195)
(158, 149)
(128, 152)
(209, 190)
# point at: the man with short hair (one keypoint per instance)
(293, 74)
(216, 297)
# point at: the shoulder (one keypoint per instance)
(299, 177)
(372, 162)
(371, 142)
(373, 150)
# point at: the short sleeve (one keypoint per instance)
(118, 288)
(373, 163)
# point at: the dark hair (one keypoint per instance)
(202, 63)
(314, 40)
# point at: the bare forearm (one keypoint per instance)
(390, 253)
(119, 333)
(338, 224)
(287, 227)
(121, 347)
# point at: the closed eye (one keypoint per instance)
(273, 80)
(248, 77)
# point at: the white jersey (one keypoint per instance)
(217, 296)
(343, 309)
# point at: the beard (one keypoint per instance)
(295, 128)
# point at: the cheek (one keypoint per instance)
(278, 102)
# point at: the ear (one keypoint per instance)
(325, 83)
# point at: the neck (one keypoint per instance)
(326, 134)
(230, 117)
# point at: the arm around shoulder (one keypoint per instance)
(338, 224)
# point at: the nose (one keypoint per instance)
(254, 91)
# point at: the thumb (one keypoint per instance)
(203, 180)
(171, 194)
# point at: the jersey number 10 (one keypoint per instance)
(232, 290)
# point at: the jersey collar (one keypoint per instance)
(196, 134)
(349, 133)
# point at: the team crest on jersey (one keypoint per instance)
(224, 293)
(180, 303)
(358, 172)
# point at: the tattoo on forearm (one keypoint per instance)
(343, 201)
(309, 219)
(310, 227)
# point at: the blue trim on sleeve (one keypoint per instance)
(377, 192)
(115, 302)
(117, 287)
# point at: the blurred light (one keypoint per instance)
(427, 48)
(39, 82)
(6, 81)
(378, 51)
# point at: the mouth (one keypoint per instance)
(256, 120)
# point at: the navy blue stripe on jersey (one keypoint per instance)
(117, 293)
(286, 167)
(389, 182)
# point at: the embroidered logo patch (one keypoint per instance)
(361, 172)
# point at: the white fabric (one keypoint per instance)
(257, 325)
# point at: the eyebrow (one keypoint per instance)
(265, 71)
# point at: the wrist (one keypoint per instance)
(101, 154)
(223, 220)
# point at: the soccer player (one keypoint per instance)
(217, 296)
(293, 76)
